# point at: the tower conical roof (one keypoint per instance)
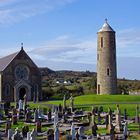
(106, 27)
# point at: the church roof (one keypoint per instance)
(5, 61)
(106, 27)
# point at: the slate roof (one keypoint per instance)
(5, 61)
(106, 28)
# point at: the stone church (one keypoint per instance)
(19, 76)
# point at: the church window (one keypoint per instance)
(102, 42)
(7, 90)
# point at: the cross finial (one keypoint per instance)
(106, 20)
(21, 46)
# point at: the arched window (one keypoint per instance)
(7, 90)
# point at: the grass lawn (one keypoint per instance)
(87, 101)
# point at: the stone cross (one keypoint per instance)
(93, 115)
(109, 118)
(64, 102)
(118, 119)
(71, 103)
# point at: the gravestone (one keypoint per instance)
(49, 115)
(71, 103)
(55, 118)
(99, 117)
(50, 134)
(38, 126)
(106, 121)
(93, 115)
(14, 116)
(64, 103)
(77, 136)
(118, 120)
(125, 130)
(33, 135)
(45, 111)
(94, 129)
(137, 114)
(35, 115)
(10, 134)
(28, 136)
(112, 132)
(25, 102)
(81, 132)
(28, 115)
(56, 134)
(125, 114)
(109, 119)
(20, 105)
(73, 132)
(17, 135)
(7, 126)
(25, 130)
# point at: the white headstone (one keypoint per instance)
(20, 105)
(10, 133)
(28, 136)
(55, 118)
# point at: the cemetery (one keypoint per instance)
(66, 120)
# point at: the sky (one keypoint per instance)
(62, 34)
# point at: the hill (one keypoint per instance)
(58, 83)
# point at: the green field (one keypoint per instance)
(87, 101)
(99, 99)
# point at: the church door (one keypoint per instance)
(22, 92)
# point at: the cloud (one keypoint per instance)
(67, 49)
(128, 43)
(12, 11)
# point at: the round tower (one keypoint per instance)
(106, 61)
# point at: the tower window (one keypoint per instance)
(101, 42)
(97, 56)
(108, 72)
